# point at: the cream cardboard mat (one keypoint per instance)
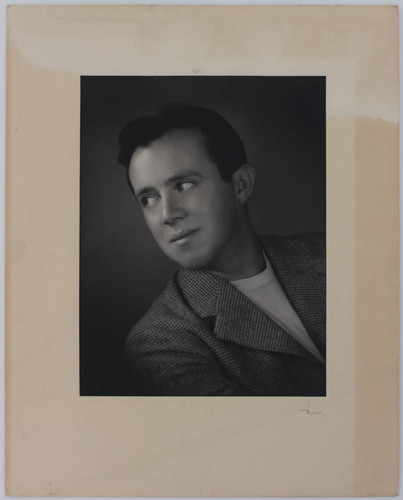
(59, 443)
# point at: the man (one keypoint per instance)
(245, 315)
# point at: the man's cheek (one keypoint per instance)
(156, 233)
(151, 224)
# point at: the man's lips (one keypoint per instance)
(181, 235)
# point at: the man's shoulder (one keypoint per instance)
(168, 312)
(166, 306)
(309, 245)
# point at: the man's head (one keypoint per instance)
(194, 208)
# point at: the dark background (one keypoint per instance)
(282, 123)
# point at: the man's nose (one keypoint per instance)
(172, 211)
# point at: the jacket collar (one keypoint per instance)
(238, 320)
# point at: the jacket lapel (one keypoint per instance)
(303, 279)
(237, 319)
(240, 321)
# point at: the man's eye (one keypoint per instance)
(148, 201)
(184, 186)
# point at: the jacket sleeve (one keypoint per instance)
(172, 362)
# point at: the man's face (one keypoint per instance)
(191, 211)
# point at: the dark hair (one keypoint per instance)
(222, 143)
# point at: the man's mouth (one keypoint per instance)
(180, 237)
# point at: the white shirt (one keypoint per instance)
(265, 291)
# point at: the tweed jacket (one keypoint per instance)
(203, 337)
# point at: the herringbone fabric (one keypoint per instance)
(204, 337)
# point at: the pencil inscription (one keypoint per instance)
(308, 411)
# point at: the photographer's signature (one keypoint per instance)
(308, 411)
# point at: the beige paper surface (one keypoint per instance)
(61, 444)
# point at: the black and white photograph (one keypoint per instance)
(203, 236)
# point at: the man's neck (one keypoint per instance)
(246, 260)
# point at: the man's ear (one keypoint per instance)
(243, 181)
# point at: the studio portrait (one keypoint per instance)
(203, 236)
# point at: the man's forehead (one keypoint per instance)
(176, 140)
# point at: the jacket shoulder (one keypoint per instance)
(168, 313)
(309, 245)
